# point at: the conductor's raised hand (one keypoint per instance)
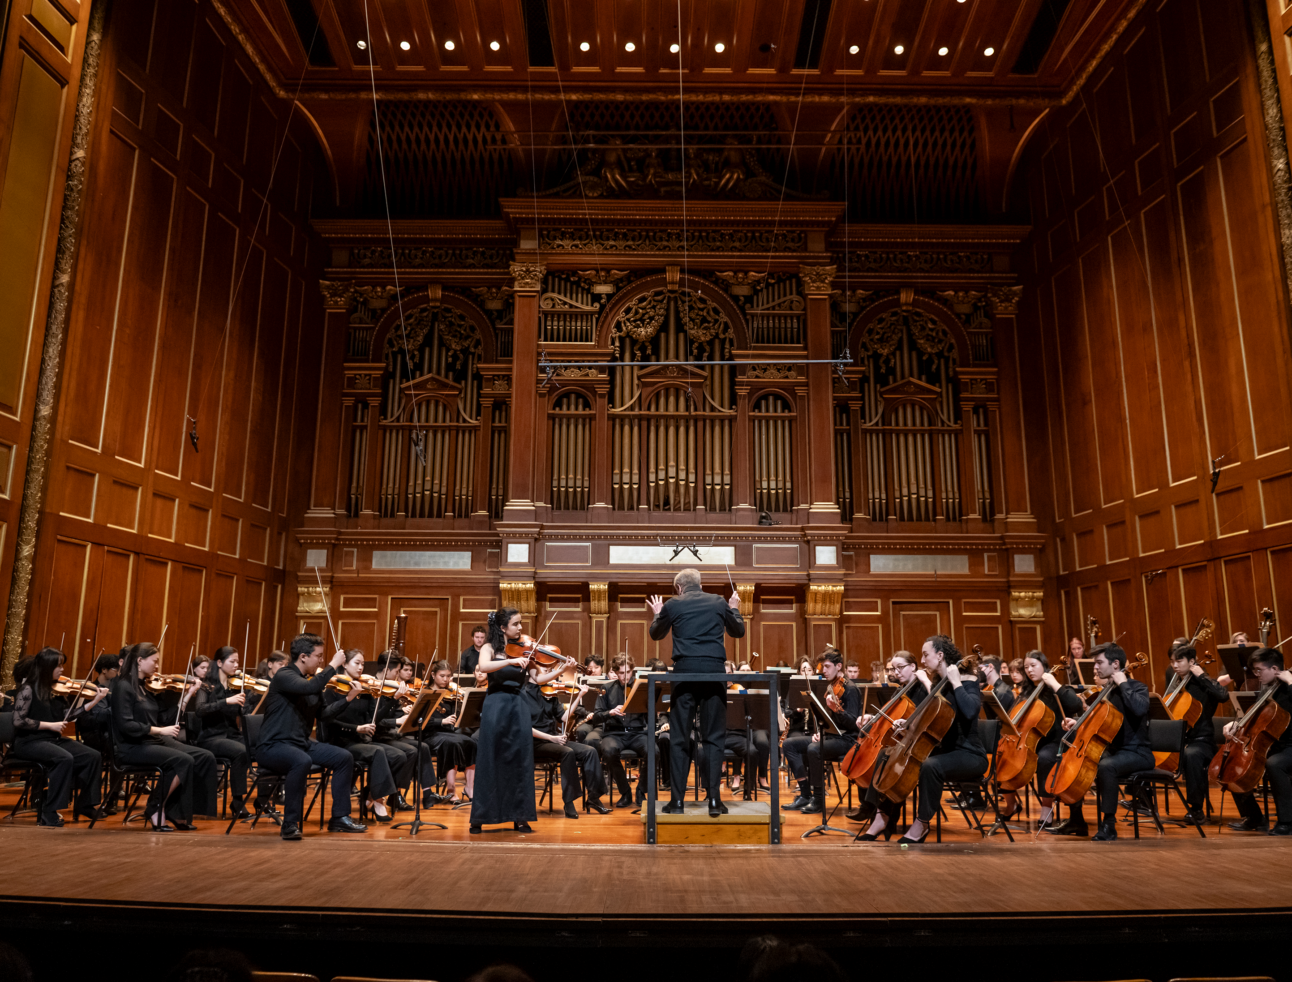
(655, 603)
(733, 601)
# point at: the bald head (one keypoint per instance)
(687, 580)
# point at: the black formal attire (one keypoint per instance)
(1278, 769)
(94, 727)
(220, 732)
(1200, 741)
(1004, 690)
(698, 621)
(416, 754)
(454, 750)
(1129, 751)
(292, 705)
(504, 786)
(69, 764)
(339, 724)
(619, 733)
(468, 660)
(545, 714)
(806, 757)
(134, 714)
(1064, 704)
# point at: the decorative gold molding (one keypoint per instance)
(772, 372)
(337, 294)
(817, 279)
(603, 281)
(492, 297)
(824, 600)
(599, 599)
(1004, 299)
(1027, 605)
(310, 601)
(376, 297)
(519, 594)
(741, 284)
(746, 591)
(528, 277)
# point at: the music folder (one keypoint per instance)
(993, 708)
(469, 714)
(423, 708)
(635, 701)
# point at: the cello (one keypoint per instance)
(858, 763)
(1178, 703)
(1016, 755)
(1239, 765)
(923, 733)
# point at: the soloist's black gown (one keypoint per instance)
(504, 788)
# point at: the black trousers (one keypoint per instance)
(613, 746)
(382, 759)
(1193, 766)
(194, 767)
(573, 758)
(806, 760)
(294, 765)
(591, 735)
(955, 765)
(453, 750)
(235, 752)
(69, 764)
(423, 759)
(1278, 771)
(708, 700)
(1112, 768)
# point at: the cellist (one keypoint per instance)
(901, 671)
(1267, 665)
(1064, 702)
(1129, 750)
(1200, 742)
(960, 757)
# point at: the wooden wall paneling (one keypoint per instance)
(112, 608)
(1108, 411)
(362, 634)
(428, 620)
(223, 588)
(1279, 563)
(184, 614)
(148, 619)
(781, 640)
(986, 635)
(1199, 596)
(1027, 637)
(915, 620)
(64, 607)
(632, 632)
(862, 643)
(1242, 610)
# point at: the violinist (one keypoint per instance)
(843, 700)
(762, 743)
(1064, 702)
(1129, 750)
(219, 709)
(40, 717)
(1200, 742)
(392, 711)
(456, 751)
(188, 779)
(620, 731)
(266, 670)
(1267, 665)
(95, 726)
(292, 704)
(576, 760)
(194, 682)
(698, 621)
(470, 656)
(960, 757)
(588, 731)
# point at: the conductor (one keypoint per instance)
(697, 620)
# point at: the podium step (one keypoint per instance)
(746, 822)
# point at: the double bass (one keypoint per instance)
(1239, 765)
(923, 732)
(858, 763)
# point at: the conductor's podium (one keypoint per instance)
(746, 822)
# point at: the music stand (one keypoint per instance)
(823, 718)
(1085, 670)
(993, 708)
(1234, 658)
(415, 722)
(750, 711)
(636, 701)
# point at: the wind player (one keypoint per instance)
(819, 748)
(697, 620)
(1200, 741)
(1129, 750)
(1267, 665)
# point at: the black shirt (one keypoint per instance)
(963, 734)
(30, 711)
(219, 719)
(468, 660)
(134, 713)
(1283, 696)
(292, 704)
(697, 620)
(1209, 694)
(851, 701)
(1131, 697)
(545, 713)
(611, 696)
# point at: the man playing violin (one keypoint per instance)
(1127, 753)
(818, 748)
(1200, 742)
(698, 621)
(1267, 665)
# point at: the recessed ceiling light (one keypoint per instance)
(989, 52)
(449, 45)
(405, 45)
(361, 45)
(674, 48)
(630, 46)
(720, 47)
(943, 51)
(853, 50)
(585, 46)
(898, 50)
(494, 45)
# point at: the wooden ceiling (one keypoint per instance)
(886, 47)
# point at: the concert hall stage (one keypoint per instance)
(439, 909)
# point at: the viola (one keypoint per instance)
(157, 683)
(544, 656)
(922, 734)
(1016, 755)
(1240, 763)
(858, 763)
(1074, 772)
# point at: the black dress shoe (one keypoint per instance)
(93, 814)
(1195, 817)
(673, 808)
(184, 826)
(716, 807)
(798, 804)
(862, 813)
(240, 811)
(1069, 827)
(345, 824)
(1249, 824)
(476, 830)
(1282, 828)
(56, 824)
(521, 827)
(1107, 832)
(290, 832)
(596, 805)
(398, 803)
(814, 807)
(625, 801)
(571, 811)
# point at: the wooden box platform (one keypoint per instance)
(746, 822)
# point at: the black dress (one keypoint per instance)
(504, 787)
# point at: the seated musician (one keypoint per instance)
(349, 720)
(547, 718)
(292, 704)
(455, 751)
(806, 756)
(762, 744)
(1017, 676)
(999, 684)
(853, 671)
(620, 731)
(960, 756)
(95, 726)
(266, 670)
(1064, 702)
(40, 718)
(1129, 750)
(1267, 665)
(587, 731)
(219, 709)
(391, 714)
(901, 670)
(1200, 741)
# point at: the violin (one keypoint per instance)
(1016, 755)
(242, 682)
(858, 763)
(158, 683)
(544, 656)
(1240, 763)
(923, 732)
(74, 688)
(558, 688)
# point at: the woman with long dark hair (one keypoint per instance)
(219, 709)
(187, 773)
(39, 719)
(455, 750)
(504, 788)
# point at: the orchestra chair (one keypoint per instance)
(136, 779)
(361, 769)
(271, 783)
(32, 772)
(549, 768)
(1164, 736)
(193, 729)
(989, 735)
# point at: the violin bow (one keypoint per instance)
(327, 609)
(165, 628)
(80, 694)
(540, 638)
(246, 638)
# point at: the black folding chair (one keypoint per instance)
(269, 783)
(1164, 736)
(32, 772)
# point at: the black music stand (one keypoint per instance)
(993, 708)
(418, 716)
(825, 725)
(468, 717)
(748, 711)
